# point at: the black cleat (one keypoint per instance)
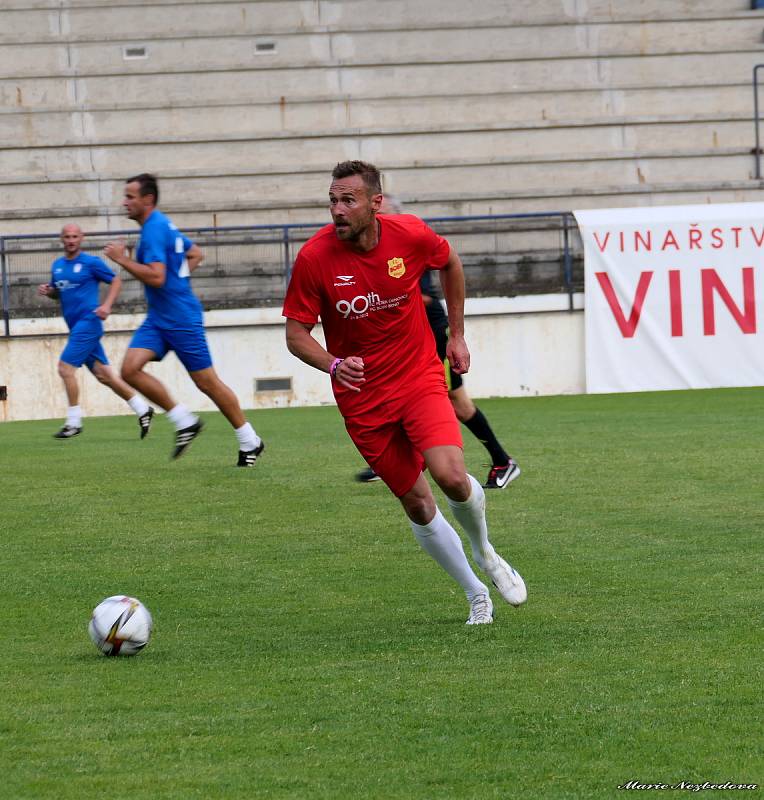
(144, 421)
(184, 437)
(247, 458)
(501, 476)
(67, 432)
(367, 476)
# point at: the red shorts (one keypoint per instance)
(393, 438)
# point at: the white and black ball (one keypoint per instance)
(120, 626)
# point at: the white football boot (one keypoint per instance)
(481, 610)
(506, 579)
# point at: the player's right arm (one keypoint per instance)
(194, 257)
(47, 290)
(152, 274)
(302, 344)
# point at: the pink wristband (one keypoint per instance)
(333, 367)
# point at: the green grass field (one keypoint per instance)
(304, 647)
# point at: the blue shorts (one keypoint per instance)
(189, 344)
(84, 344)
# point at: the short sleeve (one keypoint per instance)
(101, 270)
(303, 300)
(435, 248)
(153, 245)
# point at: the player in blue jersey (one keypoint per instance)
(74, 280)
(164, 261)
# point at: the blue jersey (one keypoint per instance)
(77, 282)
(173, 304)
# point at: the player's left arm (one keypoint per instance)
(115, 287)
(194, 257)
(452, 283)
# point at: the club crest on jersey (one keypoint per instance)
(396, 268)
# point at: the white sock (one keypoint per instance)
(470, 514)
(74, 417)
(138, 404)
(248, 439)
(439, 540)
(181, 417)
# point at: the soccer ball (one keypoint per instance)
(120, 626)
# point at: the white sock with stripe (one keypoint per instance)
(138, 404)
(74, 417)
(181, 417)
(248, 439)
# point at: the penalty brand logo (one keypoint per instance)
(345, 280)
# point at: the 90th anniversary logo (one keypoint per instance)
(689, 786)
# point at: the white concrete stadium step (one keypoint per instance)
(426, 149)
(43, 20)
(49, 221)
(303, 49)
(402, 80)
(96, 196)
(734, 192)
(280, 180)
(45, 127)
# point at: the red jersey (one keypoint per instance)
(370, 305)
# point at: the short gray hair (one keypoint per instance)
(395, 204)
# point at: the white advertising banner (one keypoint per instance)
(674, 297)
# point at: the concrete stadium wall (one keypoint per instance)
(520, 346)
(469, 106)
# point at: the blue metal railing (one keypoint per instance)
(285, 237)
(6, 297)
(757, 150)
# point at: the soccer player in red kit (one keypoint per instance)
(360, 276)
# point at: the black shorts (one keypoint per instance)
(453, 379)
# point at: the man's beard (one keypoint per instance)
(349, 232)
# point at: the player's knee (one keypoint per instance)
(64, 369)
(464, 408)
(205, 383)
(419, 509)
(453, 480)
(129, 372)
(461, 414)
